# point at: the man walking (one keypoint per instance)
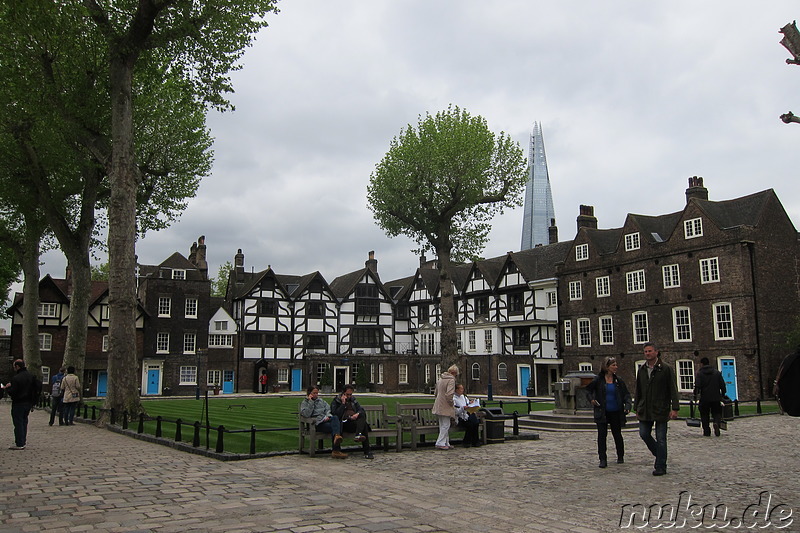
(656, 402)
(24, 390)
(710, 386)
(56, 395)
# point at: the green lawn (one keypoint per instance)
(265, 413)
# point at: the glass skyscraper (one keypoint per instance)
(539, 210)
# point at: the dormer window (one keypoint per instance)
(693, 228)
(632, 241)
(582, 252)
(47, 310)
(178, 273)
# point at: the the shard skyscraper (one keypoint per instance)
(539, 210)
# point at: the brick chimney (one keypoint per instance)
(238, 266)
(696, 189)
(552, 232)
(201, 263)
(586, 218)
(372, 263)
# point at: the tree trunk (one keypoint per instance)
(123, 367)
(447, 310)
(75, 352)
(30, 304)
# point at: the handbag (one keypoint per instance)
(693, 422)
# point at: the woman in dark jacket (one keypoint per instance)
(612, 403)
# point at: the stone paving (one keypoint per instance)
(83, 478)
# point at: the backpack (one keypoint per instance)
(56, 391)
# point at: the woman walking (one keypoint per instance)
(443, 406)
(72, 395)
(612, 402)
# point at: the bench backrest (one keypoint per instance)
(377, 416)
(422, 413)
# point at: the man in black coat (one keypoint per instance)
(353, 417)
(710, 385)
(24, 390)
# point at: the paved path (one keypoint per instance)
(82, 478)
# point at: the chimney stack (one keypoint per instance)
(202, 264)
(238, 266)
(586, 219)
(552, 232)
(696, 189)
(372, 263)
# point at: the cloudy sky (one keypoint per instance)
(634, 98)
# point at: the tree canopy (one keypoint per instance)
(440, 184)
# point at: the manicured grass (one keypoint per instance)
(267, 414)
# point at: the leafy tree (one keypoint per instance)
(100, 272)
(10, 270)
(440, 184)
(60, 119)
(219, 284)
(200, 43)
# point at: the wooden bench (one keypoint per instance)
(419, 419)
(382, 427)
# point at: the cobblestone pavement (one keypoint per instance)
(82, 478)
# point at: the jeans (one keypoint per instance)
(657, 446)
(55, 407)
(19, 416)
(710, 408)
(333, 426)
(444, 431)
(68, 411)
(614, 420)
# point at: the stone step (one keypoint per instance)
(549, 421)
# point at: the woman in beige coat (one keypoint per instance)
(443, 406)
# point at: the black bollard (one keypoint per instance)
(158, 426)
(220, 445)
(252, 440)
(178, 436)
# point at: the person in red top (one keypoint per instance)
(263, 380)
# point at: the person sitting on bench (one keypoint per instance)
(318, 409)
(353, 417)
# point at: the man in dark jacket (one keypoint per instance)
(710, 385)
(353, 417)
(656, 403)
(24, 390)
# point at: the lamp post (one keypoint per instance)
(489, 396)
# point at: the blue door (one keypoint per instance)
(729, 375)
(152, 382)
(227, 382)
(524, 379)
(102, 383)
(297, 379)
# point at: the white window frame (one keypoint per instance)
(46, 377)
(178, 273)
(568, 333)
(585, 367)
(47, 310)
(105, 343)
(220, 325)
(380, 373)
(162, 342)
(189, 343)
(722, 326)
(681, 324)
(187, 375)
(552, 299)
(190, 308)
(216, 340)
(472, 339)
(641, 331)
(502, 372)
(692, 228)
(603, 286)
(606, 326)
(214, 378)
(475, 372)
(632, 241)
(45, 342)
(685, 375)
(634, 281)
(488, 340)
(575, 291)
(671, 274)
(581, 252)
(164, 306)
(402, 373)
(283, 375)
(427, 373)
(584, 333)
(709, 270)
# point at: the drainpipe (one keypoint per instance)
(751, 251)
